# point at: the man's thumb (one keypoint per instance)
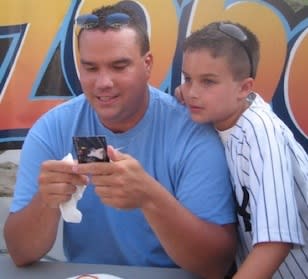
(114, 154)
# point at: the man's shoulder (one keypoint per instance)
(67, 108)
(174, 121)
(171, 107)
(168, 105)
(72, 103)
(159, 95)
(63, 114)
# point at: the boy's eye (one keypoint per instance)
(208, 81)
(187, 79)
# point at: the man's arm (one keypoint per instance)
(202, 247)
(31, 232)
(264, 259)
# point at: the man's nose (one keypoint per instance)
(104, 80)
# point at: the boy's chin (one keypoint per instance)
(199, 120)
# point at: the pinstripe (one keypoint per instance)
(284, 188)
(303, 220)
(278, 273)
(265, 159)
(289, 270)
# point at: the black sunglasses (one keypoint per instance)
(238, 34)
(90, 21)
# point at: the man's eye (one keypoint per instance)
(90, 69)
(120, 67)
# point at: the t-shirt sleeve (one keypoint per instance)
(36, 149)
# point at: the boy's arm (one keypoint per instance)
(264, 259)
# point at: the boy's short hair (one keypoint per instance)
(233, 40)
(135, 22)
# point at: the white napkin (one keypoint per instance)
(68, 209)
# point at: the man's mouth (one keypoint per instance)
(105, 98)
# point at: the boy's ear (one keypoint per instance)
(246, 87)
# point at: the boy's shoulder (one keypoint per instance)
(260, 117)
(260, 124)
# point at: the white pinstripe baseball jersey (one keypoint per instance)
(269, 171)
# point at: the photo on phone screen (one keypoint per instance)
(91, 149)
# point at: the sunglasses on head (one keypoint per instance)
(90, 21)
(238, 34)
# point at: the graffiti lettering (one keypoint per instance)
(39, 65)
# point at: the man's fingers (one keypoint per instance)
(53, 195)
(97, 168)
(48, 177)
(58, 189)
(58, 166)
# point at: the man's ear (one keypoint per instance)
(246, 87)
(148, 61)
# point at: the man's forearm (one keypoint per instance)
(204, 248)
(31, 232)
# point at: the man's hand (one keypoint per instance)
(119, 183)
(57, 182)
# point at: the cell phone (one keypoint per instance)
(91, 149)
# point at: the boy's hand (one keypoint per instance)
(179, 95)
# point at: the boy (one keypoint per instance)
(269, 168)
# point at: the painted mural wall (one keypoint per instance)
(38, 56)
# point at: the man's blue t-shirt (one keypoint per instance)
(186, 158)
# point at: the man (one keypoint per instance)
(164, 198)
